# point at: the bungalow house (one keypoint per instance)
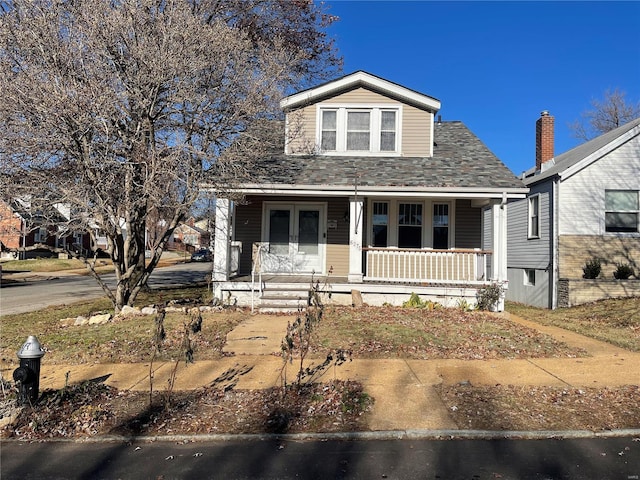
(374, 197)
(32, 232)
(582, 205)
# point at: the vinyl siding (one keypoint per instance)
(536, 295)
(524, 252)
(487, 229)
(468, 225)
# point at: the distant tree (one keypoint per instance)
(605, 115)
(122, 110)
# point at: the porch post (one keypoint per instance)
(221, 246)
(499, 247)
(356, 222)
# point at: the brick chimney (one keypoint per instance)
(544, 139)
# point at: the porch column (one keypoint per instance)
(221, 246)
(356, 222)
(499, 247)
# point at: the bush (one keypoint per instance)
(416, 302)
(489, 296)
(592, 268)
(623, 271)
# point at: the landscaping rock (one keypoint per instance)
(128, 310)
(81, 321)
(67, 322)
(100, 319)
(149, 311)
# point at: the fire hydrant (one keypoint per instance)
(27, 375)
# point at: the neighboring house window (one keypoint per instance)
(329, 130)
(410, 225)
(534, 217)
(358, 129)
(529, 276)
(621, 210)
(441, 226)
(40, 236)
(380, 222)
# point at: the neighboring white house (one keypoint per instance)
(583, 204)
(373, 194)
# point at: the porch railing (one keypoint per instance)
(427, 266)
(256, 270)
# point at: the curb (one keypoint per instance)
(348, 436)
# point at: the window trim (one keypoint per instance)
(375, 128)
(635, 211)
(530, 234)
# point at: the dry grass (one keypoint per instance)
(616, 321)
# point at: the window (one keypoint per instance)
(534, 217)
(410, 225)
(329, 129)
(40, 235)
(388, 131)
(440, 226)
(621, 210)
(529, 276)
(380, 222)
(357, 129)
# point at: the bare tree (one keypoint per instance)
(605, 115)
(118, 109)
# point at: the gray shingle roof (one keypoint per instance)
(460, 160)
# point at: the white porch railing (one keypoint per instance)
(427, 266)
(256, 270)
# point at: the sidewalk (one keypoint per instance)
(403, 389)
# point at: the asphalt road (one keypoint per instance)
(576, 459)
(50, 289)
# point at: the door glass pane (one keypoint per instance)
(308, 231)
(279, 231)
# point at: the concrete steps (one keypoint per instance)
(283, 299)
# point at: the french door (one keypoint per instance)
(295, 236)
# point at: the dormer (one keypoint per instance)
(360, 115)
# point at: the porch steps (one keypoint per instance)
(283, 299)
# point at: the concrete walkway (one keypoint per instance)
(405, 398)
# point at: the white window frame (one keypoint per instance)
(375, 128)
(635, 211)
(530, 217)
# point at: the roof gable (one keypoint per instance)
(574, 160)
(364, 80)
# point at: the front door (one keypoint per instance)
(295, 238)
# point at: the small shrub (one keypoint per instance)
(489, 296)
(464, 305)
(623, 271)
(416, 302)
(592, 268)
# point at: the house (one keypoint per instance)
(582, 205)
(373, 196)
(189, 236)
(32, 231)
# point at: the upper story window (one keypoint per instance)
(621, 210)
(353, 130)
(533, 230)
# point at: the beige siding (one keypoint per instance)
(301, 131)
(416, 132)
(338, 239)
(248, 229)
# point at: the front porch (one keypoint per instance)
(289, 293)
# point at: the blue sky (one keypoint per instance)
(496, 65)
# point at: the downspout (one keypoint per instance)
(555, 186)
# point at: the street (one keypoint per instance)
(549, 459)
(59, 290)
